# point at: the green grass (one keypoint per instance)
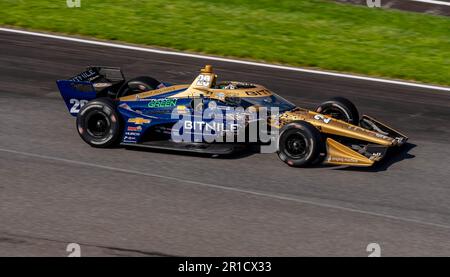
(310, 33)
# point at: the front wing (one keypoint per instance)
(367, 155)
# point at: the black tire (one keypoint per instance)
(340, 108)
(137, 85)
(300, 144)
(99, 124)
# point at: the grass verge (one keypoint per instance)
(311, 33)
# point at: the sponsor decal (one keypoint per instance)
(85, 76)
(234, 125)
(162, 103)
(102, 85)
(357, 128)
(132, 134)
(181, 108)
(134, 129)
(139, 120)
(378, 135)
(210, 126)
(258, 92)
(342, 160)
(81, 87)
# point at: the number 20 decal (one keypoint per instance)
(77, 105)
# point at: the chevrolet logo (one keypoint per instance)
(139, 120)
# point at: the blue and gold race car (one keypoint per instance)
(219, 118)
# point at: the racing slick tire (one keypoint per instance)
(99, 123)
(300, 144)
(138, 85)
(340, 108)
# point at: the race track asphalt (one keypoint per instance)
(55, 189)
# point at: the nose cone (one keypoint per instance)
(333, 126)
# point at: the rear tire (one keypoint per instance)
(99, 123)
(340, 108)
(138, 85)
(300, 144)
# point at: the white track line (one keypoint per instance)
(433, 2)
(197, 56)
(238, 190)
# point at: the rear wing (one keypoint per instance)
(96, 81)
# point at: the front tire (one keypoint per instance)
(300, 144)
(340, 108)
(99, 124)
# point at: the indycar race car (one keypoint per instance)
(219, 118)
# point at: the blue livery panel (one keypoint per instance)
(76, 94)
